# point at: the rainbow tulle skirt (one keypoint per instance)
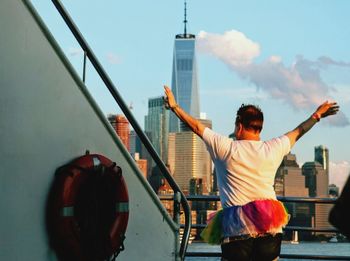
(251, 220)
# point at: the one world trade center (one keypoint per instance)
(184, 83)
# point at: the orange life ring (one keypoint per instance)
(72, 211)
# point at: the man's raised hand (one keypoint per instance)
(169, 98)
(327, 108)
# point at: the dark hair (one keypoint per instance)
(251, 117)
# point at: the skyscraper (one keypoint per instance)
(121, 127)
(142, 164)
(190, 161)
(289, 182)
(184, 83)
(322, 157)
(135, 144)
(316, 179)
(157, 124)
(137, 147)
(171, 153)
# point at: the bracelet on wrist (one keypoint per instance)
(316, 116)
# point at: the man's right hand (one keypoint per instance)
(195, 125)
(170, 101)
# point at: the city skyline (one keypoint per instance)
(309, 180)
(305, 41)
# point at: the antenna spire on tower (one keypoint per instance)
(185, 20)
(185, 35)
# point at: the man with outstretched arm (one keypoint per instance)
(249, 227)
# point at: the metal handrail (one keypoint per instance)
(308, 200)
(211, 198)
(288, 228)
(207, 198)
(117, 97)
(287, 256)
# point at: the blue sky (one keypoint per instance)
(295, 54)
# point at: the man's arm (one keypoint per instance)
(195, 125)
(324, 110)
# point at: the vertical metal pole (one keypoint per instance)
(177, 200)
(177, 209)
(84, 67)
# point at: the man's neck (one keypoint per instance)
(248, 135)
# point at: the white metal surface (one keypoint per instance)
(47, 118)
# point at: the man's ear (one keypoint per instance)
(239, 127)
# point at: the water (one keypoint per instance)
(307, 248)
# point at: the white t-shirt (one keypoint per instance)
(245, 169)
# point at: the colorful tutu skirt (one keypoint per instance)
(254, 219)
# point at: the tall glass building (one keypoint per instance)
(184, 77)
(322, 157)
(316, 179)
(156, 125)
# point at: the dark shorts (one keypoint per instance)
(265, 248)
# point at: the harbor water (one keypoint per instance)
(303, 248)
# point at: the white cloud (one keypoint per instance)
(233, 47)
(113, 58)
(338, 173)
(300, 85)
